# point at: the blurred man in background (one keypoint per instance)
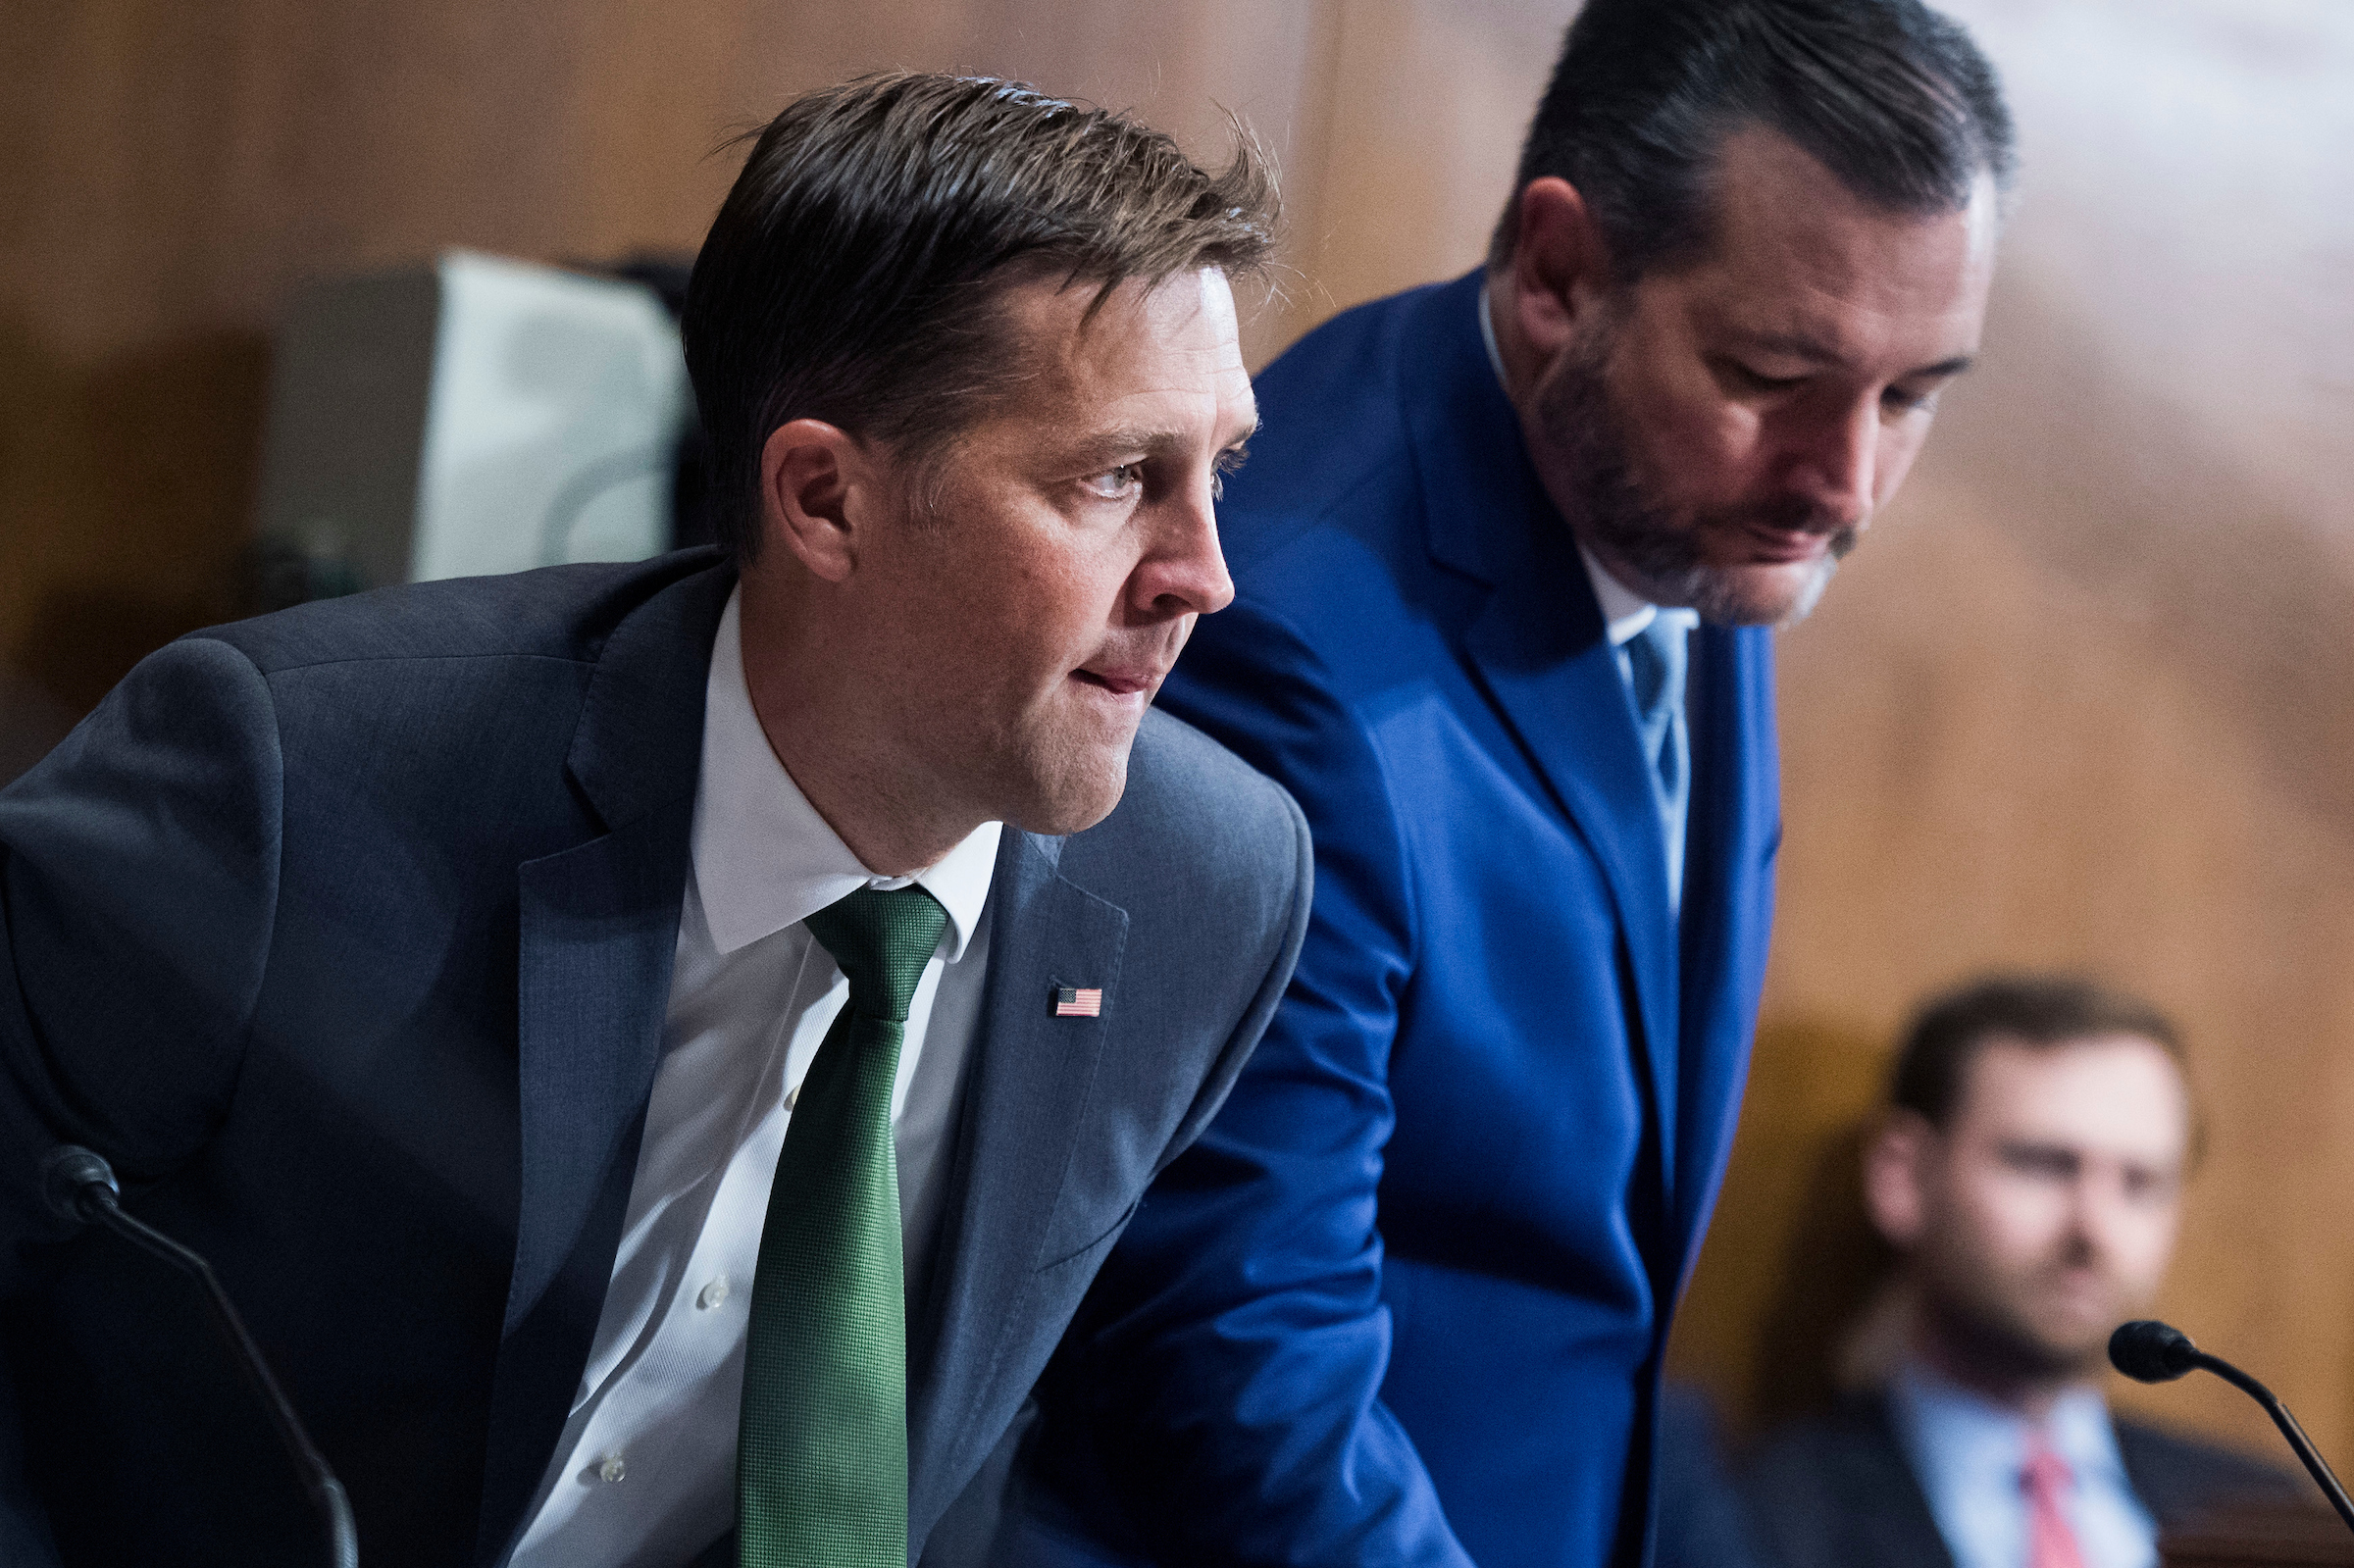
(2029, 1175)
(1505, 555)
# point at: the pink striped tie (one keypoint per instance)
(2046, 1479)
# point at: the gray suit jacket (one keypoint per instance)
(346, 935)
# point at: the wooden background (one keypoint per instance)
(2083, 699)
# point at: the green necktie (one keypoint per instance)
(821, 1459)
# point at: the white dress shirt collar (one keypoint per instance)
(1625, 612)
(763, 856)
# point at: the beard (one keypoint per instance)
(2006, 1321)
(2003, 1345)
(1664, 547)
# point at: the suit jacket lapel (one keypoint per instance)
(1024, 1109)
(1885, 1501)
(599, 929)
(1540, 650)
(1542, 655)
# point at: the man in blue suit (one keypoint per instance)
(1506, 555)
(657, 1052)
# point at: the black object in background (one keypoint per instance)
(2149, 1351)
(81, 1186)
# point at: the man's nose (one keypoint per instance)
(1836, 468)
(2097, 1209)
(1185, 573)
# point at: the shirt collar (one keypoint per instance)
(763, 857)
(1625, 614)
(1953, 1431)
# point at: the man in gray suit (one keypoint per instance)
(659, 1052)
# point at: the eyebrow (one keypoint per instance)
(1799, 345)
(1105, 444)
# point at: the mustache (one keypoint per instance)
(1793, 513)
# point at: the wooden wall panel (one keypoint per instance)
(174, 170)
(2083, 699)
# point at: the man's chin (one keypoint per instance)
(1777, 593)
(1074, 797)
(2009, 1342)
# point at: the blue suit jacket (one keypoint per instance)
(346, 935)
(1405, 1301)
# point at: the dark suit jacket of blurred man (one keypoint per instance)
(346, 934)
(1835, 1490)
(1405, 1301)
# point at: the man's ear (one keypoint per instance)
(1560, 268)
(819, 489)
(1896, 1176)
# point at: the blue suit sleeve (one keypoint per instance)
(139, 871)
(1228, 1367)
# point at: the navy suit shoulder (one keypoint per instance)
(263, 913)
(560, 612)
(2179, 1477)
(1832, 1490)
(1701, 1522)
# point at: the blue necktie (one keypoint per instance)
(1654, 670)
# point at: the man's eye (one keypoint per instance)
(1903, 400)
(1753, 380)
(1114, 482)
(1227, 462)
(2047, 1163)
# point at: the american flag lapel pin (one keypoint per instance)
(1078, 1001)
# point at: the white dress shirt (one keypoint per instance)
(1969, 1453)
(644, 1473)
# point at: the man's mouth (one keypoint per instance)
(1787, 531)
(1122, 680)
(1769, 545)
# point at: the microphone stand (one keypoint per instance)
(2322, 1476)
(81, 1186)
(2150, 1351)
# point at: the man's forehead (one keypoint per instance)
(1142, 360)
(2110, 1089)
(1082, 326)
(1795, 252)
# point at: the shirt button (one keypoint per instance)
(613, 1469)
(712, 1294)
(792, 1096)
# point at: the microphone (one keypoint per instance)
(80, 1185)
(2149, 1351)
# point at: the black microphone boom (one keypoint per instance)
(81, 1186)
(2149, 1351)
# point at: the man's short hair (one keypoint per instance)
(854, 271)
(1894, 99)
(1932, 1066)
